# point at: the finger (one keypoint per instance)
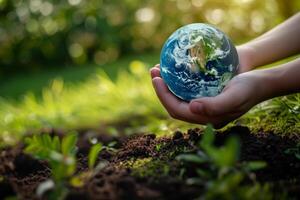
(155, 72)
(242, 69)
(176, 108)
(180, 110)
(157, 66)
(224, 103)
(165, 96)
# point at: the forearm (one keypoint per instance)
(280, 28)
(281, 42)
(281, 80)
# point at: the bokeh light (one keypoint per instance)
(39, 33)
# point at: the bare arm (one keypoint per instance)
(242, 93)
(280, 42)
(246, 89)
(282, 80)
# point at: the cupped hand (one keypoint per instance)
(241, 93)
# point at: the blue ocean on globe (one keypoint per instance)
(198, 60)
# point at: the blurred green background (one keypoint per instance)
(36, 34)
(50, 34)
(65, 43)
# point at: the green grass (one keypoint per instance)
(280, 115)
(14, 88)
(99, 100)
(114, 94)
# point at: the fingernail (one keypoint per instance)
(197, 107)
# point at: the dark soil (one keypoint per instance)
(122, 178)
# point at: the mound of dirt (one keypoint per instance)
(124, 178)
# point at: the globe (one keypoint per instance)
(197, 60)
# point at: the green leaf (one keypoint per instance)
(44, 187)
(68, 144)
(231, 151)
(93, 154)
(47, 141)
(41, 146)
(56, 143)
(191, 158)
(202, 173)
(223, 156)
(255, 165)
(224, 186)
(290, 150)
(28, 140)
(194, 181)
(208, 137)
(56, 156)
(112, 144)
(71, 166)
(227, 155)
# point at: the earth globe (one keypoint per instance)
(198, 60)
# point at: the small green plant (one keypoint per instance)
(61, 156)
(95, 150)
(294, 151)
(218, 170)
(78, 180)
(158, 147)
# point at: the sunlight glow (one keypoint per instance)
(144, 15)
(74, 2)
(75, 50)
(215, 16)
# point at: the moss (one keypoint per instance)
(148, 167)
(280, 115)
(160, 146)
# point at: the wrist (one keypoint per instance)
(262, 83)
(268, 83)
(284, 79)
(277, 81)
(247, 56)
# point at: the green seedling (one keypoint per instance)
(79, 179)
(218, 169)
(294, 151)
(158, 147)
(61, 156)
(110, 147)
(93, 154)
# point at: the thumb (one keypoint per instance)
(223, 103)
